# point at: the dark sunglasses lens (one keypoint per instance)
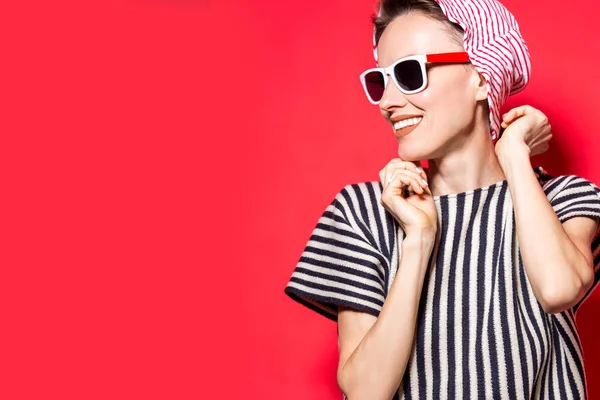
(409, 75)
(374, 85)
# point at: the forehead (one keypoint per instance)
(414, 33)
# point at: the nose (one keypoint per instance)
(392, 96)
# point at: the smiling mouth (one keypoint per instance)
(405, 127)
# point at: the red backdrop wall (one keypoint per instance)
(164, 163)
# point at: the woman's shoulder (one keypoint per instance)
(346, 261)
(360, 203)
(363, 185)
(559, 184)
(570, 195)
(360, 195)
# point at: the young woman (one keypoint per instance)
(461, 281)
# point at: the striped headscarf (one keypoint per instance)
(495, 46)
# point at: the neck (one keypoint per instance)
(471, 163)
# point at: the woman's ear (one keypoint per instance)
(481, 90)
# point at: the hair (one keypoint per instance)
(390, 9)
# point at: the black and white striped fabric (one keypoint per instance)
(481, 332)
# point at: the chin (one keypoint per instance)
(415, 151)
(424, 147)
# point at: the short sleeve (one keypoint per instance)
(572, 196)
(339, 265)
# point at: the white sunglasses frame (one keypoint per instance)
(422, 59)
(389, 71)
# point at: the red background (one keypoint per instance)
(164, 163)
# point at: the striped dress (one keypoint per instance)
(481, 334)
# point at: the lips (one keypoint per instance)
(405, 131)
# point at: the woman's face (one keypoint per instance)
(447, 105)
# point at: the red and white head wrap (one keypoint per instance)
(495, 46)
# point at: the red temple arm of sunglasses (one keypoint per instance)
(448, 57)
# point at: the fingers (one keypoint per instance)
(543, 135)
(521, 111)
(541, 145)
(397, 163)
(403, 177)
(516, 113)
(511, 116)
(542, 148)
(396, 189)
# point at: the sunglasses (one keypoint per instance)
(408, 73)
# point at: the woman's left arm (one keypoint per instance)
(557, 256)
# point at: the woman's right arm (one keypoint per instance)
(374, 351)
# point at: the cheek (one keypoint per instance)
(448, 104)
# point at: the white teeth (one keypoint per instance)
(407, 122)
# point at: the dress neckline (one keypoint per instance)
(499, 184)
